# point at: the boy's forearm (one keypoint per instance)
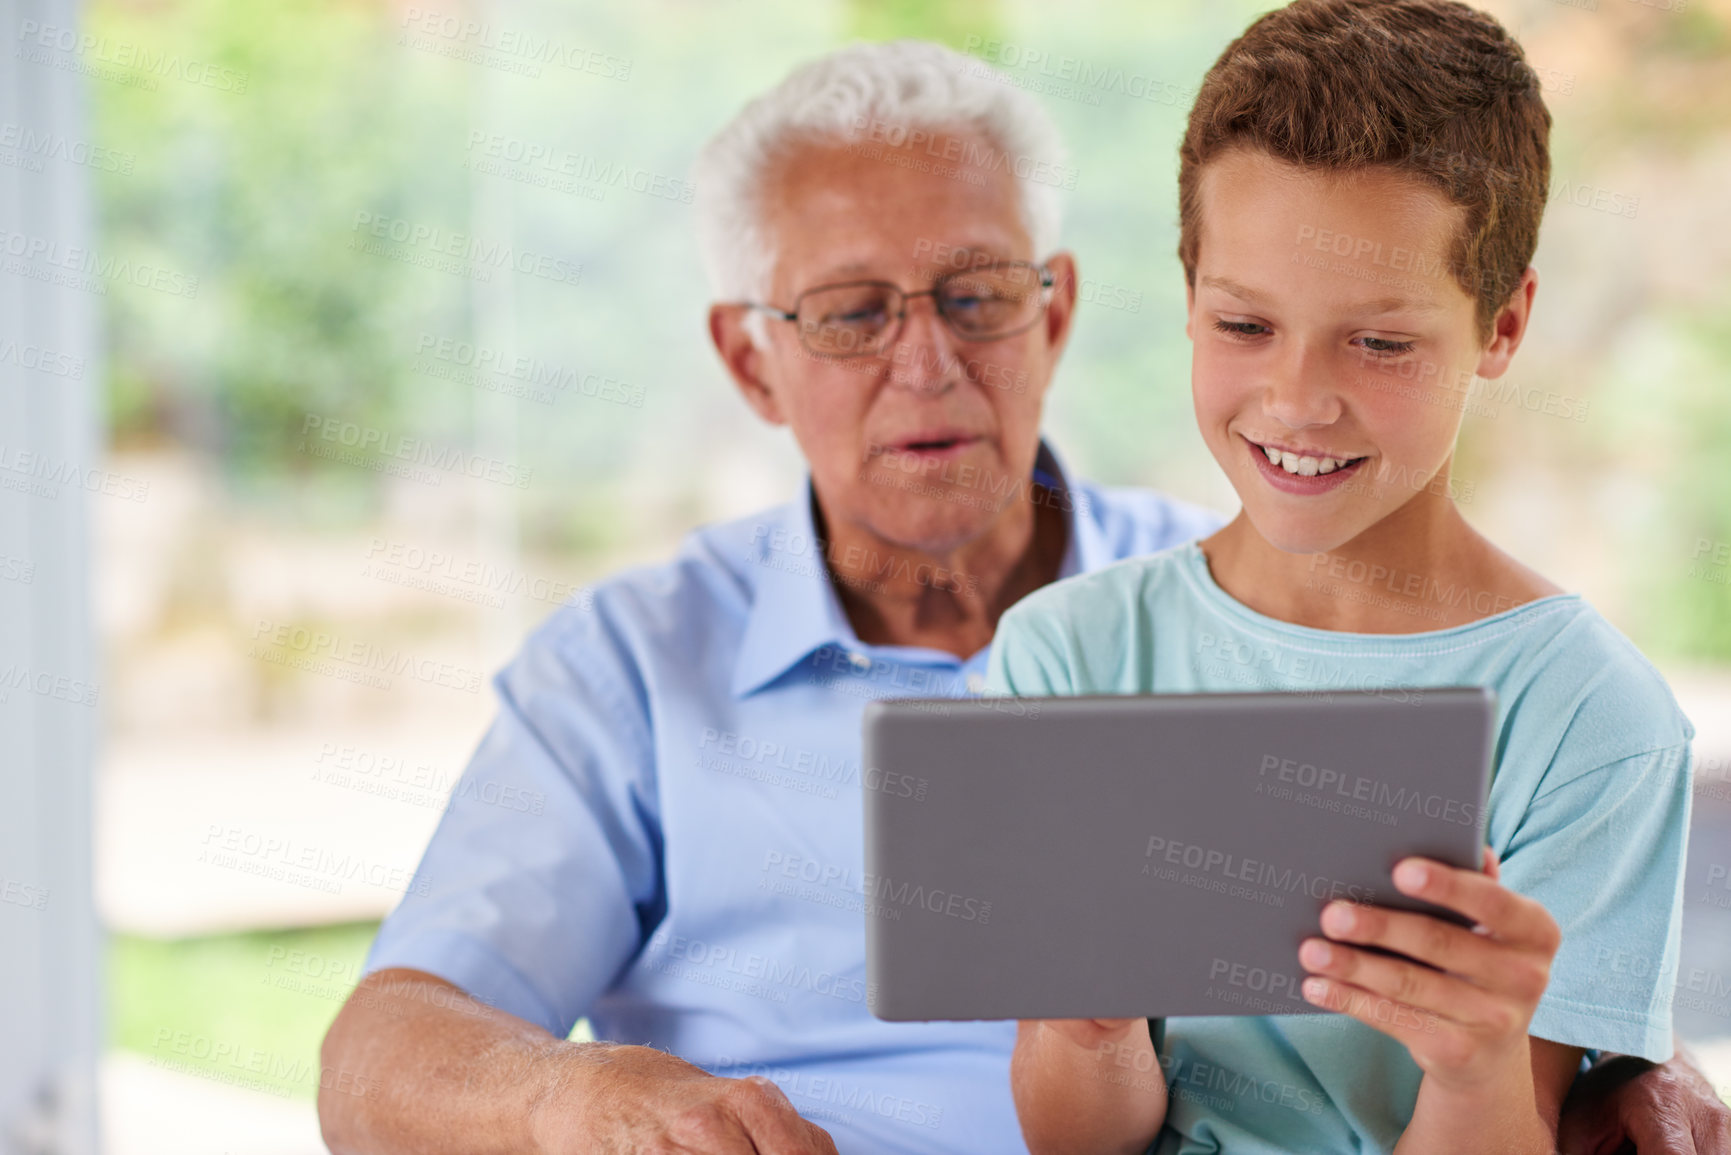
(412, 1064)
(1071, 1097)
(1502, 1119)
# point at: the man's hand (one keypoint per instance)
(1628, 1104)
(414, 1066)
(640, 1100)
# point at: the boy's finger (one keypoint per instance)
(1476, 958)
(1406, 1025)
(1429, 992)
(1513, 918)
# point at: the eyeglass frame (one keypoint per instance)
(1048, 281)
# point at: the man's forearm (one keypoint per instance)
(414, 1065)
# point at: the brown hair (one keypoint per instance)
(1427, 87)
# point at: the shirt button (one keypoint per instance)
(976, 683)
(860, 661)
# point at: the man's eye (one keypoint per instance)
(1383, 347)
(863, 316)
(1241, 328)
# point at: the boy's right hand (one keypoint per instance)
(1463, 1007)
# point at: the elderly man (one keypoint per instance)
(883, 226)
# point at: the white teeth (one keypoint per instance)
(1303, 466)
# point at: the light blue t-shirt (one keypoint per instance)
(1589, 810)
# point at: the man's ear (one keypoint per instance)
(744, 360)
(1061, 313)
(1509, 327)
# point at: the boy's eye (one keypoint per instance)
(1383, 347)
(1241, 328)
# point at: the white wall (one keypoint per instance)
(50, 704)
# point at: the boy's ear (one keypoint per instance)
(1509, 326)
(1189, 306)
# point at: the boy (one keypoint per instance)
(1360, 189)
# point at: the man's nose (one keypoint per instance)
(923, 356)
(1302, 388)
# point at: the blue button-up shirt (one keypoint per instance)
(662, 830)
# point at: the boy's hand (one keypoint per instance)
(1465, 1022)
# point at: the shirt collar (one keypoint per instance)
(1086, 546)
(794, 607)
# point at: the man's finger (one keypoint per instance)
(772, 1124)
(819, 1138)
(1712, 1130)
(1661, 1133)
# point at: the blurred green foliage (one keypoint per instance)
(258, 194)
(265, 998)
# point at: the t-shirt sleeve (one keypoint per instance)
(543, 877)
(1027, 659)
(1604, 852)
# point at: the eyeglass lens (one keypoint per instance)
(978, 305)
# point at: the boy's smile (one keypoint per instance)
(1297, 468)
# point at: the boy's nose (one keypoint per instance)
(1302, 390)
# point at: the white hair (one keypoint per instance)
(906, 85)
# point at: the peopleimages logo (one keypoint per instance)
(971, 155)
(483, 42)
(152, 63)
(66, 264)
(582, 168)
(885, 892)
(479, 255)
(274, 641)
(1358, 788)
(1089, 77)
(385, 444)
(1237, 868)
(37, 144)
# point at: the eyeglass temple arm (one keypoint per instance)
(778, 314)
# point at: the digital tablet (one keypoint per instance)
(1148, 855)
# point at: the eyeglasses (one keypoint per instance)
(861, 318)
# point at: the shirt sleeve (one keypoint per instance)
(1604, 853)
(1027, 660)
(543, 878)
